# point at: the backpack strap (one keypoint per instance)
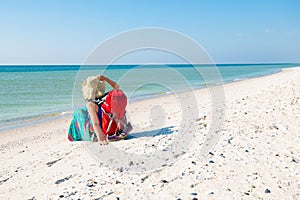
(100, 100)
(100, 116)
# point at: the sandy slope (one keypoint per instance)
(255, 153)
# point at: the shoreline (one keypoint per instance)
(36, 119)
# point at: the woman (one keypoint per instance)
(85, 123)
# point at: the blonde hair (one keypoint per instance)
(92, 88)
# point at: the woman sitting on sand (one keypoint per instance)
(85, 125)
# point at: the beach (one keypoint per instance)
(255, 154)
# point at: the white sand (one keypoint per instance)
(255, 154)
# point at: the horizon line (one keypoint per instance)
(70, 64)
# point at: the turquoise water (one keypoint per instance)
(30, 92)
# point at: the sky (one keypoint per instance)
(231, 31)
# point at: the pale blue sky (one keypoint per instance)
(66, 31)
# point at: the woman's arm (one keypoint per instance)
(92, 109)
(113, 84)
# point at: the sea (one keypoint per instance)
(34, 93)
